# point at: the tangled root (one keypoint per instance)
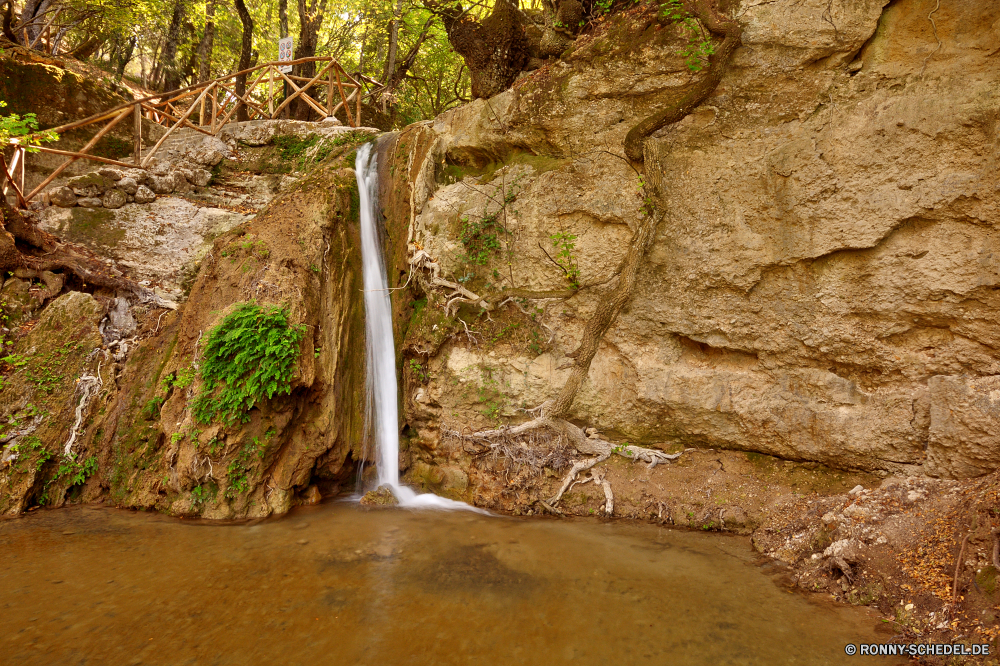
(510, 441)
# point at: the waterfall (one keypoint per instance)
(380, 352)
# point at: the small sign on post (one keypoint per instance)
(285, 49)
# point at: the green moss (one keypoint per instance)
(94, 226)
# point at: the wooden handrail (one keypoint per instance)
(162, 110)
(97, 117)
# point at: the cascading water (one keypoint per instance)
(379, 348)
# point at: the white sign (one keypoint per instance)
(285, 49)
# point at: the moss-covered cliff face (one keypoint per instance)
(140, 443)
(822, 287)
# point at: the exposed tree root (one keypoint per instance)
(46, 253)
(551, 420)
(691, 97)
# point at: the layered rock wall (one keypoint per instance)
(823, 285)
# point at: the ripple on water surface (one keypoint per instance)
(336, 584)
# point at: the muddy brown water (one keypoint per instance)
(336, 584)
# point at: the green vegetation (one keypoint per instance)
(565, 243)
(250, 356)
(699, 47)
(24, 129)
(238, 470)
(418, 371)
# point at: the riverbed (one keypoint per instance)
(338, 584)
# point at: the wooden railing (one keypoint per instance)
(216, 103)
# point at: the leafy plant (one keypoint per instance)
(240, 466)
(699, 47)
(417, 369)
(481, 237)
(23, 130)
(565, 243)
(249, 356)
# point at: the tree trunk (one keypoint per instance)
(207, 43)
(390, 61)
(310, 20)
(8, 21)
(495, 50)
(167, 70)
(33, 9)
(245, 55)
(88, 48)
(283, 18)
(126, 57)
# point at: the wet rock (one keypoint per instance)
(62, 197)
(128, 185)
(312, 495)
(381, 496)
(144, 195)
(114, 198)
(89, 202)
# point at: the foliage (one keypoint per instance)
(699, 47)
(23, 130)
(565, 243)
(240, 466)
(481, 237)
(418, 370)
(77, 472)
(249, 356)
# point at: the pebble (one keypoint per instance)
(302, 542)
(856, 490)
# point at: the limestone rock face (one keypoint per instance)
(823, 285)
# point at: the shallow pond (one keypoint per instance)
(336, 584)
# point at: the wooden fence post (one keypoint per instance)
(137, 134)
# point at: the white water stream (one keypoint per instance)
(380, 352)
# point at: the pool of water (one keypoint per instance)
(336, 584)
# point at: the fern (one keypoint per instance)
(249, 357)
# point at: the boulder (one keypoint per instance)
(128, 185)
(114, 198)
(88, 185)
(110, 173)
(162, 184)
(62, 197)
(89, 202)
(209, 152)
(181, 184)
(144, 195)
(141, 176)
(200, 177)
(381, 496)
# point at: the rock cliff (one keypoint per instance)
(823, 284)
